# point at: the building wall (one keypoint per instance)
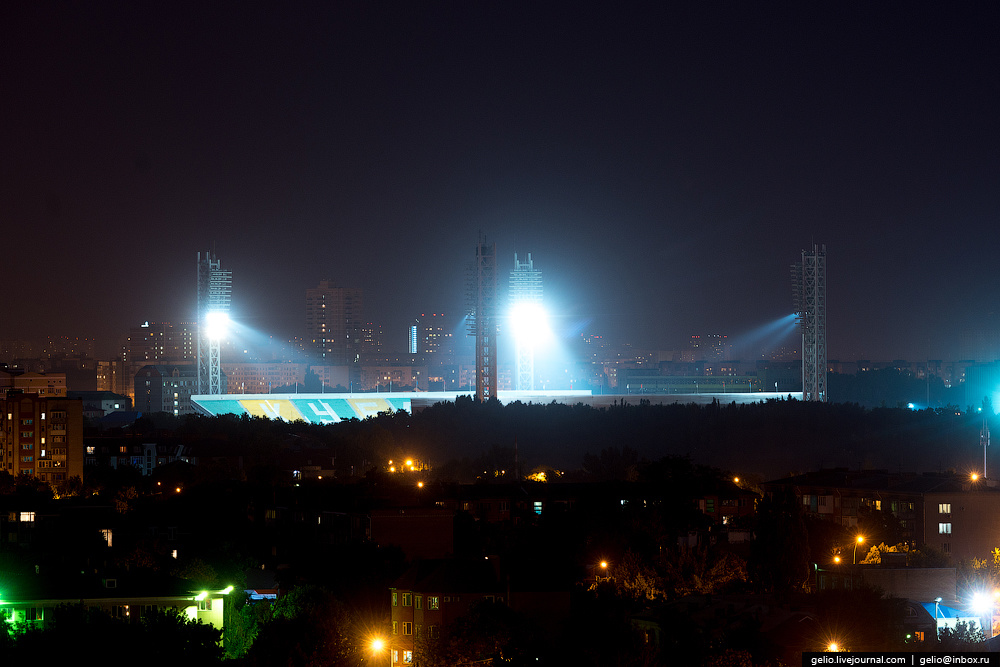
(42, 384)
(166, 389)
(42, 613)
(914, 583)
(41, 436)
(261, 378)
(963, 524)
(419, 532)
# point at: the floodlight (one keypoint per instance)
(216, 324)
(529, 322)
(981, 603)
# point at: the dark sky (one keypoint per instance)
(663, 162)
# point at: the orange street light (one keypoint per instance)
(857, 541)
(378, 644)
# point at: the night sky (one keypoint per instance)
(663, 162)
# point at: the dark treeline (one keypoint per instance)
(462, 439)
(892, 387)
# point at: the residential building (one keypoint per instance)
(97, 404)
(261, 378)
(334, 322)
(41, 436)
(162, 388)
(42, 384)
(433, 594)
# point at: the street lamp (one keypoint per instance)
(857, 541)
(937, 608)
(378, 644)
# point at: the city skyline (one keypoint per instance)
(667, 164)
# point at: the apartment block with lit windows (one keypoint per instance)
(41, 436)
(961, 521)
(432, 594)
(166, 389)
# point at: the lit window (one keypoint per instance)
(407, 599)
(944, 529)
(407, 657)
(944, 508)
(432, 602)
(27, 517)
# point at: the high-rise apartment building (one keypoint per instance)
(157, 342)
(167, 388)
(150, 343)
(335, 323)
(41, 436)
(430, 335)
(710, 347)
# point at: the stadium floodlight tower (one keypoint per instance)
(215, 288)
(483, 319)
(527, 318)
(809, 297)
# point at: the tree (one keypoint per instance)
(308, 628)
(963, 637)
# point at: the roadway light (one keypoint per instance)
(858, 540)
